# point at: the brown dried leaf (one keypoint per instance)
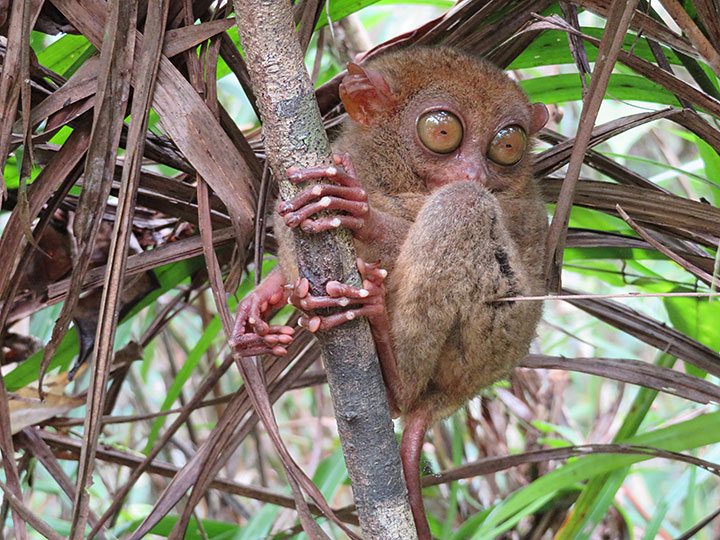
(653, 208)
(618, 21)
(490, 465)
(558, 156)
(178, 40)
(633, 372)
(26, 409)
(187, 120)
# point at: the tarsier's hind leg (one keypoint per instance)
(444, 322)
(416, 424)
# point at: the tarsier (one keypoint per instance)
(434, 180)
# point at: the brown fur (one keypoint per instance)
(449, 341)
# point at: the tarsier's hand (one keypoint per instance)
(252, 334)
(369, 301)
(345, 193)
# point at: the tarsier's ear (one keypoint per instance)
(365, 94)
(539, 116)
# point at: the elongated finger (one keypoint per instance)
(330, 321)
(332, 173)
(300, 289)
(337, 289)
(274, 339)
(256, 322)
(311, 323)
(280, 329)
(329, 223)
(376, 291)
(278, 350)
(247, 340)
(318, 191)
(345, 160)
(253, 344)
(371, 271)
(354, 208)
(309, 303)
(242, 313)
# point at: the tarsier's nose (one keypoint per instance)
(474, 171)
(468, 170)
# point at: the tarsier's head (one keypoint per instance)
(455, 117)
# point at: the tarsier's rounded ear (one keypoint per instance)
(365, 94)
(539, 116)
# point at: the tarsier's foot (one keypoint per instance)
(345, 193)
(369, 300)
(252, 335)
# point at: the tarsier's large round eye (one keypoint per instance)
(440, 131)
(508, 146)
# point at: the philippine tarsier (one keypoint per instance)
(434, 180)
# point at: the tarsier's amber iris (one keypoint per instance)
(508, 146)
(440, 131)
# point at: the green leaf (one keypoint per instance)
(698, 318)
(341, 8)
(214, 529)
(331, 473)
(686, 435)
(11, 174)
(261, 523)
(662, 166)
(602, 270)
(62, 135)
(551, 48)
(654, 524)
(689, 517)
(61, 54)
(592, 505)
(79, 61)
(471, 525)
(711, 159)
(595, 253)
(566, 87)
(587, 218)
(457, 455)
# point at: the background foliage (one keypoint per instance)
(651, 418)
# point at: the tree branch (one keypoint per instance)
(294, 136)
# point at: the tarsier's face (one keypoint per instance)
(452, 141)
(450, 117)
